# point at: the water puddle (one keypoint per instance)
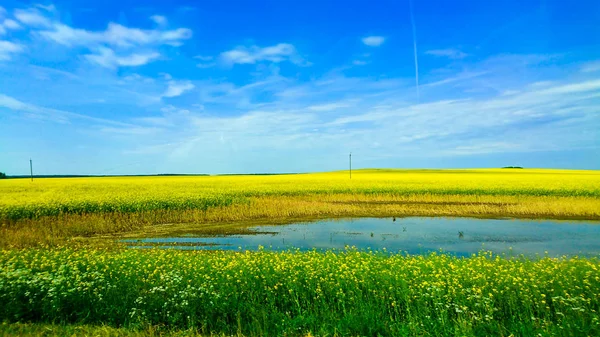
(459, 236)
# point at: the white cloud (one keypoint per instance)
(48, 8)
(359, 62)
(33, 111)
(489, 147)
(8, 24)
(132, 131)
(177, 88)
(32, 17)
(159, 20)
(572, 88)
(115, 46)
(206, 65)
(203, 58)
(205, 61)
(591, 67)
(107, 58)
(166, 76)
(373, 41)
(330, 106)
(116, 35)
(11, 103)
(137, 78)
(8, 49)
(450, 53)
(279, 114)
(250, 55)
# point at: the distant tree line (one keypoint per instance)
(2, 175)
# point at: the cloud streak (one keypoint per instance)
(450, 53)
(107, 58)
(414, 34)
(250, 55)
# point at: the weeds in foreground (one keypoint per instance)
(296, 293)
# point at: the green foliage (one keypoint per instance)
(295, 293)
(2, 175)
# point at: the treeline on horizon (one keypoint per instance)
(23, 176)
(4, 176)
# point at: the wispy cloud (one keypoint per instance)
(205, 61)
(116, 46)
(373, 41)
(159, 20)
(8, 24)
(32, 17)
(590, 67)
(330, 106)
(131, 131)
(33, 111)
(48, 8)
(115, 35)
(254, 54)
(8, 49)
(384, 122)
(106, 57)
(177, 88)
(450, 53)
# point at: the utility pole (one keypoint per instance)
(31, 168)
(350, 165)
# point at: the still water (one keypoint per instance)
(459, 236)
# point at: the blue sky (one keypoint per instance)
(143, 87)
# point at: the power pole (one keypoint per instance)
(350, 165)
(31, 168)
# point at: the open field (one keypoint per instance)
(50, 210)
(59, 275)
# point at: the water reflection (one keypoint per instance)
(460, 236)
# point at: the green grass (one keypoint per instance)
(55, 330)
(297, 293)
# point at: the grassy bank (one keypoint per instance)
(51, 210)
(293, 293)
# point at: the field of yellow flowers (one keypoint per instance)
(21, 198)
(49, 210)
(345, 293)
(53, 284)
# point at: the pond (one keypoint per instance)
(413, 235)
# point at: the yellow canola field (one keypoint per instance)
(47, 210)
(159, 192)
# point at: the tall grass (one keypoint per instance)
(237, 217)
(293, 293)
